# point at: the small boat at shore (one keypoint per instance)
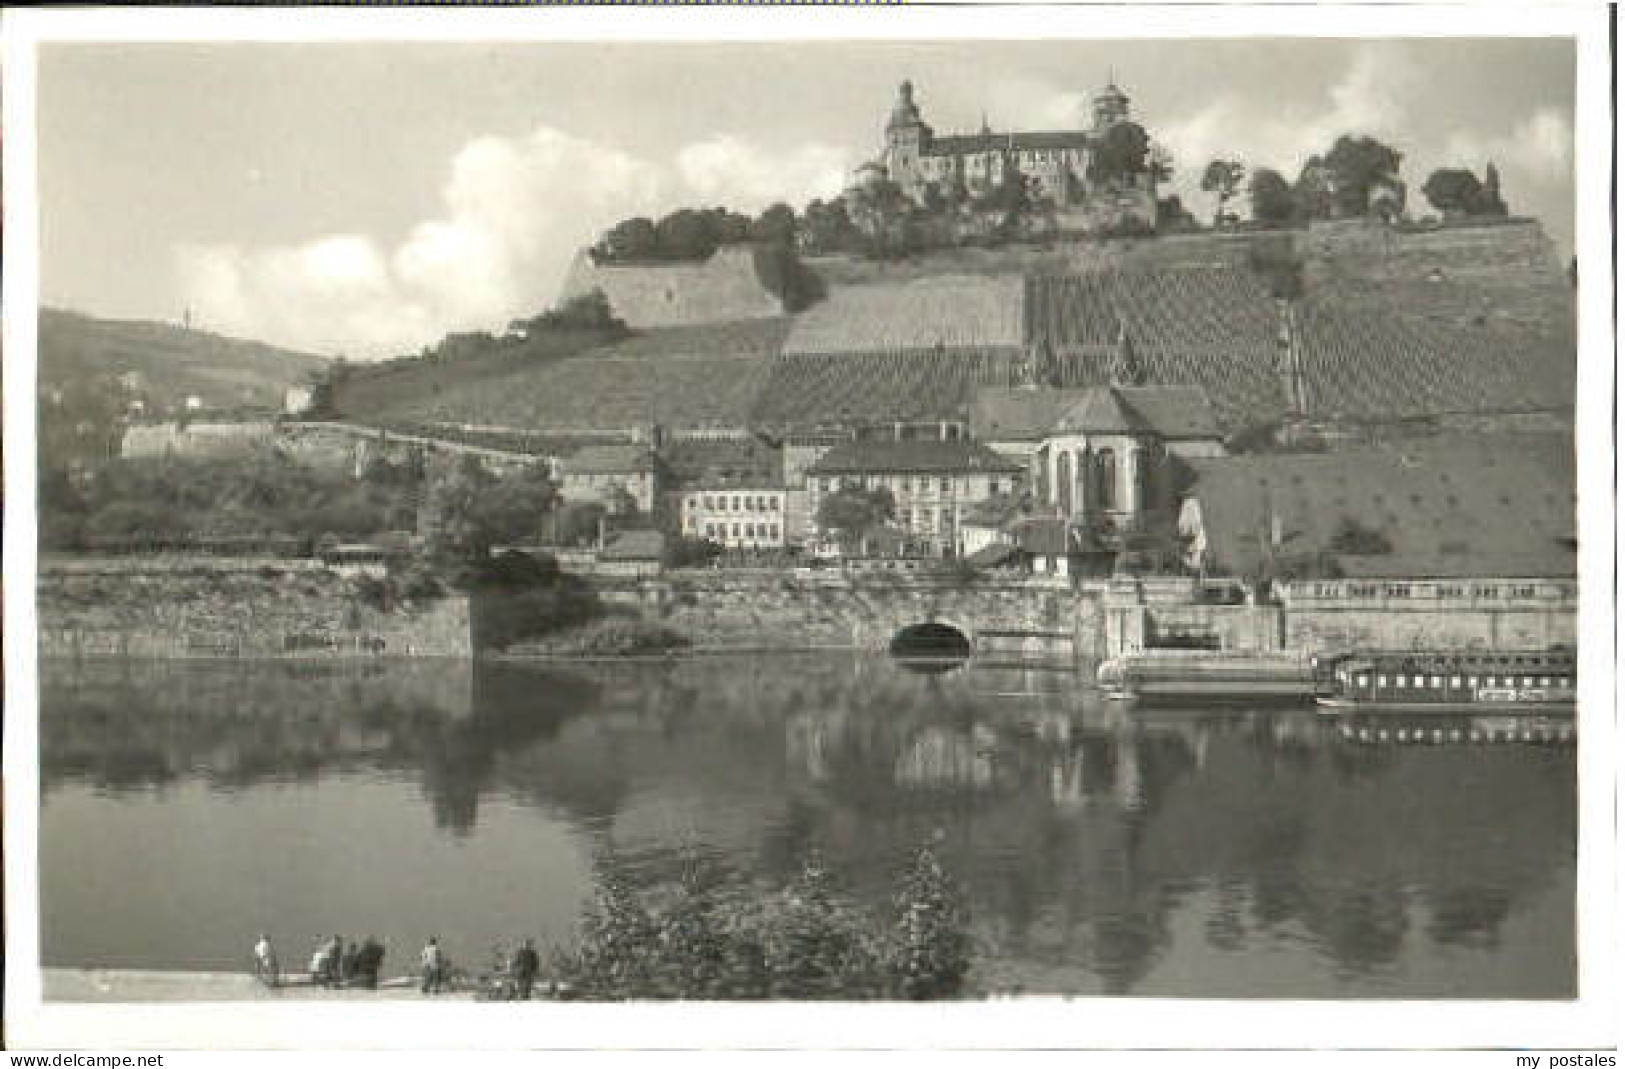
(1449, 681)
(1208, 675)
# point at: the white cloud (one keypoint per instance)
(513, 213)
(1375, 96)
(1540, 147)
(731, 171)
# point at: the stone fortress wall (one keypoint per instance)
(1511, 268)
(727, 286)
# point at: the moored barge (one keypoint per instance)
(1449, 681)
(1208, 675)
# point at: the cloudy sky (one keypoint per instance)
(367, 198)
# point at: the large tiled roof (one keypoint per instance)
(911, 456)
(1101, 410)
(1175, 412)
(746, 462)
(807, 390)
(1017, 413)
(1463, 505)
(952, 311)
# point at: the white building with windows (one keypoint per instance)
(738, 517)
(933, 484)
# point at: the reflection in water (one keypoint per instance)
(1103, 850)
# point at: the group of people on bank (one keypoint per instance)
(336, 963)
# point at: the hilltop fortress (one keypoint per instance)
(1057, 164)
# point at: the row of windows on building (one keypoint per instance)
(1456, 682)
(946, 484)
(989, 160)
(736, 503)
(599, 479)
(760, 532)
(927, 517)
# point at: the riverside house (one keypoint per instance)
(932, 483)
(738, 516)
(597, 472)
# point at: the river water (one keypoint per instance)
(1220, 853)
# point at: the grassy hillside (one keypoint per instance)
(95, 373)
(409, 387)
(1389, 324)
(568, 380)
(171, 362)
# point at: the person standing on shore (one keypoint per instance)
(369, 961)
(265, 966)
(433, 966)
(524, 968)
(318, 963)
(335, 960)
(348, 963)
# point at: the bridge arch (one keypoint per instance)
(936, 639)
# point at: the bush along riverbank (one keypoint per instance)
(615, 636)
(716, 936)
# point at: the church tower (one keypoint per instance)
(1111, 108)
(907, 139)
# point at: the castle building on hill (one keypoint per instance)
(1056, 162)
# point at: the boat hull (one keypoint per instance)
(1211, 691)
(1184, 678)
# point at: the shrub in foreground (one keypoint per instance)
(718, 937)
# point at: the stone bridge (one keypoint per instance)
(1017, 617)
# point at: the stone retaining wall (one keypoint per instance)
(758, 610)
(727, 286)
(180, 607)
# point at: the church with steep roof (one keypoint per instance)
(1055, 162)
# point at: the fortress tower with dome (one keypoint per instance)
(1056, 162)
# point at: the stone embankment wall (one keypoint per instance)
(1510, 628)
(779, 610)
(184, 607)
(1161, 612)
(727, 286)
(1045, 618)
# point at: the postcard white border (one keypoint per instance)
(1589, 1022)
